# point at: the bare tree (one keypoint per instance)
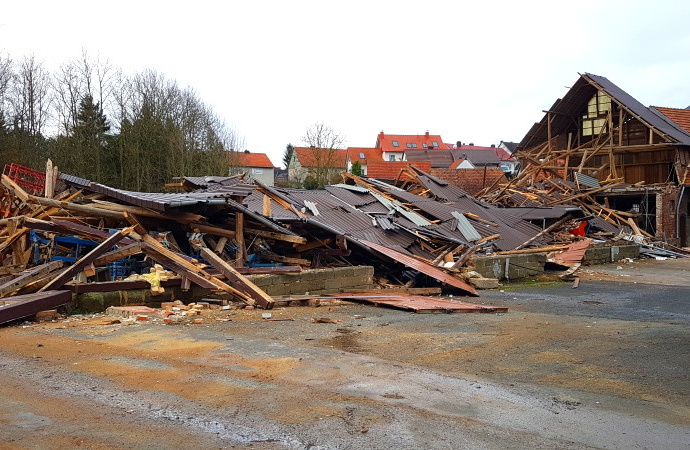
(30, 96)
(324, 144)
(77, 79)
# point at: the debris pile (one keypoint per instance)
(416, 231)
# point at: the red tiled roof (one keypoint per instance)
(251, 160)
(679, 116)
(370, 154)
(321, 157)
(385, 141)
(471, 181)
(389, 170)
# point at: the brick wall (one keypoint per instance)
(666, 205)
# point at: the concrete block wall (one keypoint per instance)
(316, 281)
(609, 254)
(519, 266)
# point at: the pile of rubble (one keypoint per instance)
(417, 230)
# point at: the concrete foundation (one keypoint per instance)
(315, 282)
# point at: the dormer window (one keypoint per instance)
(395, 143)
(361, 155)
(425, 146)
(409, 145)
(414, 145)
(435, 144)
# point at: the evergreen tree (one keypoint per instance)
(287, 156)
(90, 138)
(356, 169)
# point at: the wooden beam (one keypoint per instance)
(28, 276)
(266, 206)
(122, 252)
(287, 260)
(83, 209)
(313, 244)
(185, 268)
(241, 251)
(237, 280)
(75, 268)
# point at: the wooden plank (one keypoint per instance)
(394, 290)
(286, 259)
(122, 252)
(75, 268)
(27, 305)
(82, 209)
(238, 281)
(313, 244)
(28, 276)
(266, 206)
(15, 188)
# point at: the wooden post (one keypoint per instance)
(239, 237)
(267, 206)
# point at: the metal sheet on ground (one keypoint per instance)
(421, 304)
(426, 269)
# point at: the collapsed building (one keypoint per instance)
(628, 162)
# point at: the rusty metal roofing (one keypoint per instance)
(158, 201)
(422, 267)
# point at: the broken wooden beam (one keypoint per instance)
(27, 305)
(238, 281)
(28, 276)
(77, 267)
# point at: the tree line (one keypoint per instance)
(132, 132)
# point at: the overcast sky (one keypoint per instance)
(479, 72)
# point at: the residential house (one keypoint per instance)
(364, 156)
(393, 146)
(322, 164)
(600, 131)
(255, 166)
(509, 147)
(490, 157)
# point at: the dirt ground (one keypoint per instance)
(603, 365)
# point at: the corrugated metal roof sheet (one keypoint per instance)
(465, 227)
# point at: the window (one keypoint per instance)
(361, 155)
(414, 145)
(257, 171)
(435, 144)
(597, 110)
(408, 145)
(395, 143)
(391, 157)
(425, 146)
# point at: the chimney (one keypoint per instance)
(426, 135)
(458, 144)
(246, 151)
